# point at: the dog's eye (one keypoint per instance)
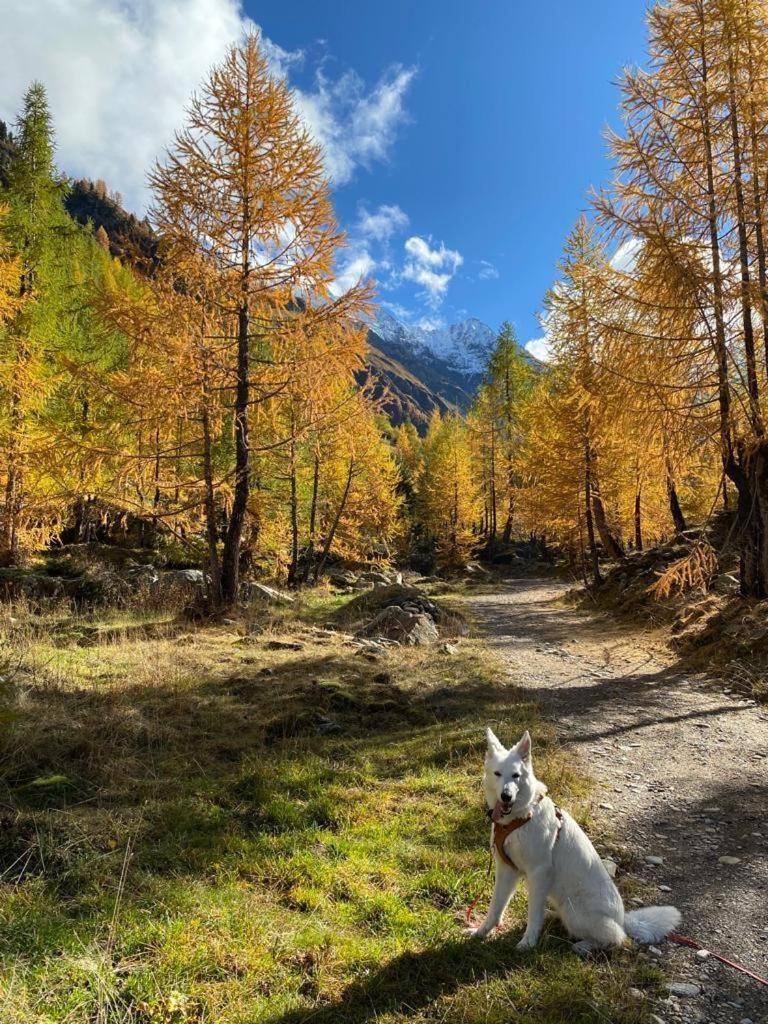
(516, 775)
(497, 774)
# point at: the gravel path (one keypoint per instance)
(682, 773)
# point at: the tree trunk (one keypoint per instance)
(309, 565)
(293, 569)
(211, 531)
(638, 521)
(337, 519)
(608, 539)
(741, 224)
(230, 563)
(757, 201)
(753, 522)
(14, 484)
(674, 502)
(596, 577)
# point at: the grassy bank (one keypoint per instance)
(199, 825)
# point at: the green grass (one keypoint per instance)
(178, 844)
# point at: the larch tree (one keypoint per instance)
(244, 186)
(495, 419)
(578, 315)
(691, 167)
(446, 492)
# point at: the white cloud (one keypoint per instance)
(355, 128)
(487, 272)
(401, 312)
(540, 348)
(356, 265)
(119, 75)
(382, 223)
(430, 266)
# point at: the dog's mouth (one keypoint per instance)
(501, 810)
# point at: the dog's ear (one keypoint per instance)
(495, 747)
(523, 748)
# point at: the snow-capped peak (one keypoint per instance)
(465, 346)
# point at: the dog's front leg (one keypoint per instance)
(504, 885)
(539, 884)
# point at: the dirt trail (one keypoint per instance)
(682, 773)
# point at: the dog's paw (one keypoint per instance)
(583, 949)
(527, 942)
(481, 931)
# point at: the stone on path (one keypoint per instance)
(683, 989)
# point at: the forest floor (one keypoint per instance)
(681, 766)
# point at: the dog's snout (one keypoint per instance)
(506, 795)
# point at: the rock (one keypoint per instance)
(729, 860)
(654, 1019)
(146, 575)
(683, 989)
(285, 645)
(702, 954)
(636, 993)
(324, 726)
(665, 888)
(407, 627)
(261, 592)
(654, 951)
(343, 579)
(450, 649)
(725, 583)
(474, 568)
(654, 862)
(192, 577)
(610, 866)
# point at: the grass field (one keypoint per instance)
(199, 825)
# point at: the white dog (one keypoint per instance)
(531, 837)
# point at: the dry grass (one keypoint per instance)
(199, 824)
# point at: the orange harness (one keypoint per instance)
(500, 833)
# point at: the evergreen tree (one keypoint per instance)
(35, 230)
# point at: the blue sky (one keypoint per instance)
(462, 135)
(502, 133)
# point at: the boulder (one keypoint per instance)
(261, 592)
(193, 579)
(343, 579)
(404, 625)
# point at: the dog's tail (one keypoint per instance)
(651, 924)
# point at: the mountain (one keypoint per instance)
(417, 370)
(413, 380)
(463, 347)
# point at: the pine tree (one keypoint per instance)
(34, 228)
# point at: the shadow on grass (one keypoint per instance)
(550, 985)
(187, 771)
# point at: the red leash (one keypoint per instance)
(476, 900)
(682, 940)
